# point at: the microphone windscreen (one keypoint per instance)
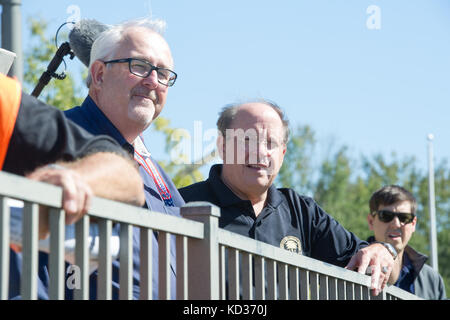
(83, 35)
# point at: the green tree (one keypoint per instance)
(61, 94)
(183, 174)
(341, 193)
(297, 166)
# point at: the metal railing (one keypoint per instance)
(211, 263)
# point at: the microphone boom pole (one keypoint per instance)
(47, 75)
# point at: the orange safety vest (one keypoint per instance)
(10, 94)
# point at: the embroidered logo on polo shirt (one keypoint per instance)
(291, 244)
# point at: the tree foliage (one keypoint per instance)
(183, 174)
(63, 94)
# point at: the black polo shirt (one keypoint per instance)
(288, 220)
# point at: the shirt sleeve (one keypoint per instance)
(42, 135)
(331, 241)
(325, 238)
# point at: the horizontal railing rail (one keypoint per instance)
(307, 282)
(299, 277)
(211, 263)
(105, 212)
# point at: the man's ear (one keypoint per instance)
(97, 72)
(414, 223)
(370, 219)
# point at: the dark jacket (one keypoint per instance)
(428, 284)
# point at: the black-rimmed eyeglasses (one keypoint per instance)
(143, 69)
(388, 216)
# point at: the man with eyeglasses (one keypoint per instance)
(130, 72)
(393, 220)
(33, 136)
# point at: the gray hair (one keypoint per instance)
(228, 114)
(106, 44)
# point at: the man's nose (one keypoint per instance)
(256, 151)
(264, 148)
(264, 152)
(152, 80)
(396, 222)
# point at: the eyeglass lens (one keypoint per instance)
(387, 216)
(142, 69)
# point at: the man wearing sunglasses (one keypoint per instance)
(393, 220)
(130, 72)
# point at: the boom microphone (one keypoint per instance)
(50, 73)
(83, 36)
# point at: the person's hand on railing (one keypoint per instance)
(76, 198)
(376, 261)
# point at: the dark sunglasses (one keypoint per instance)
(387, 216)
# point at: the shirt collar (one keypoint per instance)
(417, 259)
(227, 197)
(140, 147)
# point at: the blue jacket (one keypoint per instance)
(91, 118)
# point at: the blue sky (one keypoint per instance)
(375, 90)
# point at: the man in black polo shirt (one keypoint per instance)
(252, 143)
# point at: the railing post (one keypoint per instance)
(82, 257)
(380, 296)
(203, 255)
(57, 218)
(5, 217)
(30, 231)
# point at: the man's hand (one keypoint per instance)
(76, 199)
(378, 260)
